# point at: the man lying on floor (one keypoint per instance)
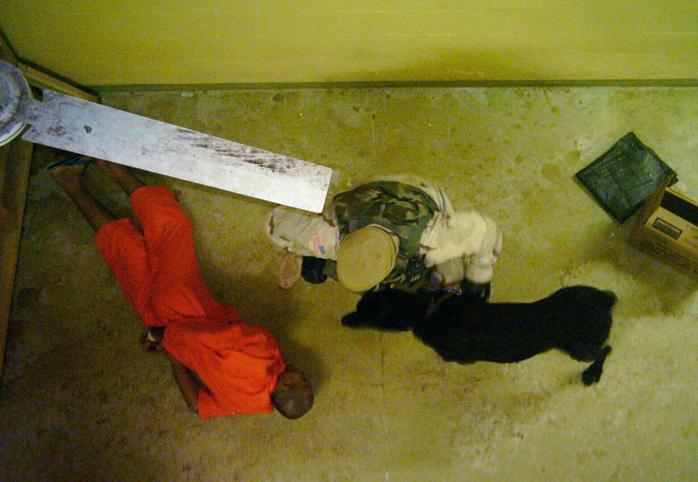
(222, 365)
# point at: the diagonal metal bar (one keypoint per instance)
(103, 132)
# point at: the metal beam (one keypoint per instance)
(103, 132)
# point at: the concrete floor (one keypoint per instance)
(81, 401)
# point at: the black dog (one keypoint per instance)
(576, 320)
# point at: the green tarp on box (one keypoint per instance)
(625, 176)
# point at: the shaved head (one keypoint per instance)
(293, 394)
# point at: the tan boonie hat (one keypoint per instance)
(365, 258)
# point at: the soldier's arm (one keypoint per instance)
(449, 273)
(481, 264)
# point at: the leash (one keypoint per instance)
(436, 302)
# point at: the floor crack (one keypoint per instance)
(384, 411)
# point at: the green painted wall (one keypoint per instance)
(207, 41)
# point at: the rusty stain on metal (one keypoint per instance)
(56, 130)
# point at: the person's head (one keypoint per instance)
(365, 257)
(293, 394)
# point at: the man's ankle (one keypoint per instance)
(67, 181)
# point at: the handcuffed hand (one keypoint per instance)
(151, 340)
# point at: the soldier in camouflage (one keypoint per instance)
(436, 247)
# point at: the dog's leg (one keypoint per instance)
(593, 374)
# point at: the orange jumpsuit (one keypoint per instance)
(157, 269)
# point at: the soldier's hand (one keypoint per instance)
(312, 270)
(475, 290)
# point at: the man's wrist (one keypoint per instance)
(155, 335)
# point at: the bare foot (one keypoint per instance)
(121, 174)
(112, 168)
(106, 165)
(68, 175)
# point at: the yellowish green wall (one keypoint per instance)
(209, 41)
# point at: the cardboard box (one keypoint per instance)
(667, 228)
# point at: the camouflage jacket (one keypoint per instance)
(403, 209)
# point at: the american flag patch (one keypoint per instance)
(318, 244)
